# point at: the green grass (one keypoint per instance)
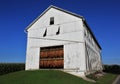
(49, 77)
(41, 77)
(107, 79)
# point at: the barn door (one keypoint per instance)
(51, 57)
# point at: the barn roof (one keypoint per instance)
(76, 15)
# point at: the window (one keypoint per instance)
(58, 32)
(45, 33)
(51, 20)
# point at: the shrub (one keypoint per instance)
(96, 75)
(11, 67)
(112, 69)
(92, 76)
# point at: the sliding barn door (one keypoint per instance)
(51, 57)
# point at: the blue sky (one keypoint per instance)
(103, 17)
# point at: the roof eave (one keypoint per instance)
(91, 33)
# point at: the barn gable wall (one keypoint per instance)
(71, 28)
(71, 32)
(59, 16)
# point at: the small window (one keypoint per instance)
(58, 32)
(51, 20)
(45, 33)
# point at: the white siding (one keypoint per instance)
(74, 56)
(93, 54)
(59, 18)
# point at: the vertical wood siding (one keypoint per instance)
(51, 57)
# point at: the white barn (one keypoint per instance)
(59, 39)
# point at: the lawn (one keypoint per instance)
(49, 77)
(107, 79)
(41, 77)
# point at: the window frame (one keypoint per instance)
(51, 20)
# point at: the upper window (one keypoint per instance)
(51, 20)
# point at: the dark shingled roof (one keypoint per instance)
(76, 15)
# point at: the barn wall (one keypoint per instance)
(34, 45)
(32, 57)
(71, 36)
(93, 52)
(74, 54)
(65, 29)
(74, 58)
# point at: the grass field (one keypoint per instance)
(107, 79)
(40, 77)
(48, 77)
